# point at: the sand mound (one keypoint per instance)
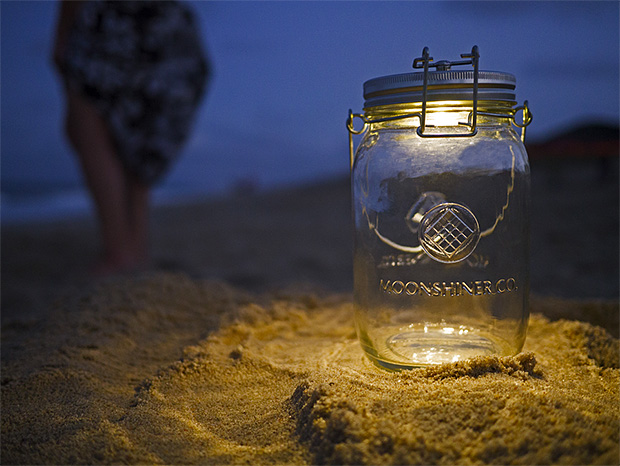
(165, 369)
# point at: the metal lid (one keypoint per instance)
(442, 85)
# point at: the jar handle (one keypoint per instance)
(353, 131)
(526, 120)
(367, 122)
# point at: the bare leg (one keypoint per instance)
(121, 200)
(138, 196)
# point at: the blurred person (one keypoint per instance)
(134, 73)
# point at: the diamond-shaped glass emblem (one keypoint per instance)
(449, 232)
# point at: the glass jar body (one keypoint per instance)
(441, 243)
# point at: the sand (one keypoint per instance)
(165, 369)
(237, 347)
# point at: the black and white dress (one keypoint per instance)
(143, 65)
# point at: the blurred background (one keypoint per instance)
(260, 195)
(285, 75)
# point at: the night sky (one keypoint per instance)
(286, 73)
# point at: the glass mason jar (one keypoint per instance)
(440, 192)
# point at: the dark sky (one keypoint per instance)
(286, 74)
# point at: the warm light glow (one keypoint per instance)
(444, 118)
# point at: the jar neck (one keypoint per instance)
(440, 114)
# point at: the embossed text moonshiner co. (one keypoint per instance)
(440, 184)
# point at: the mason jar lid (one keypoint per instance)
(442, 85)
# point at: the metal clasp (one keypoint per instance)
(425, 62)
(472, 120)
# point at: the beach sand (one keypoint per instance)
(237, 346)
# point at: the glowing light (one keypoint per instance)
(441, 117)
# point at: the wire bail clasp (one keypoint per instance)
(425, 62)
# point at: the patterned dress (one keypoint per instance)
(143, 66)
